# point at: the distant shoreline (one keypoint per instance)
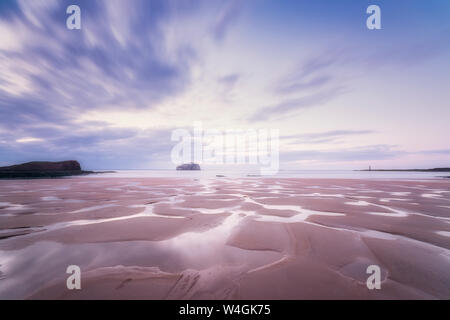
(407, 170)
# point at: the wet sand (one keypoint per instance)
(254, 238)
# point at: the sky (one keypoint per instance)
(110, 94)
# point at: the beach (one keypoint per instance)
(224, 238)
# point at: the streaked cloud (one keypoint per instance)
(110, 94)
(356, 154)
(226, 17)
(28, 140)
(296, 104)
(328, 136)
(229, 81)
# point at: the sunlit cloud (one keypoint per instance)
(29, 140)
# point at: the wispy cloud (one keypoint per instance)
(322, 137)
(288, 106)
(230, 80)
(227, 16)
(313, 82)
(438, 151)
(406, 55)
(313, 73)
(363, 153)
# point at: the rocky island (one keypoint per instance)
(43, 169)
(189, 166)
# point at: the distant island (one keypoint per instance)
(43, 169)
(409, 170)
(188, 166)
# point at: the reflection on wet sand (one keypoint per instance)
(168, 238)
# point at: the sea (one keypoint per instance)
(237, 173)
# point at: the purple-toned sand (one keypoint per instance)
(254, 238)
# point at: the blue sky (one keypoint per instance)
(110, 94)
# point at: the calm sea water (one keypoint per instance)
(321, 174)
